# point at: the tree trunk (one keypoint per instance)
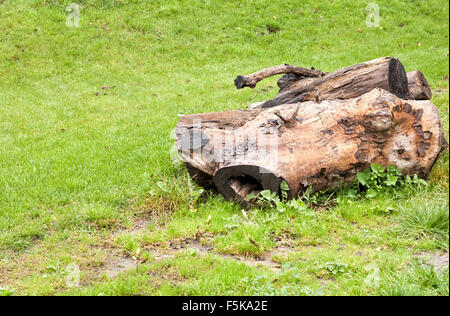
(317, 144)
(386, 73)
(418, 86)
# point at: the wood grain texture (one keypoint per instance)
(418, 86)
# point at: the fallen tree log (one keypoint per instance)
(418, 86)
(308, 144)
(386, 73)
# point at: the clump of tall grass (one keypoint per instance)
(416, 281)
(426, 217)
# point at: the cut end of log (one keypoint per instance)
(236, 183)
(418, 86)
(243, 81)
(397, 79)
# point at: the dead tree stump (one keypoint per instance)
(318, 144)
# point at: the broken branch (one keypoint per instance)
(252, 79)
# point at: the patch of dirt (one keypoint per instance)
(158, 277)
(265, 262)
(282, 251)
(439, 261)
(139, 226)
(201, 244)
(160, 251)
(260, 261)
(198, 246)
(285, 240)
(120, 265)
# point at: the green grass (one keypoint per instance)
(81, 164)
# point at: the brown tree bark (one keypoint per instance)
(418, 86)
(318, 144)
(252, 79)
(386, 73)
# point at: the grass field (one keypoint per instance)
(88, 186)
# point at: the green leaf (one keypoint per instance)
(307, 193)
(251, 196)
(377, 169)
(352, 194)
(394, 170)
(364, 177)
(391, 180)
(284, 186)
(279, 205)
(391, 169)
(284, 190)
(408, 179)
(281, 209)
(199, 192)
(298, 205)
(371, 193)
(266, 195)
(423, 182)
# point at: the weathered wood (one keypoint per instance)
(418, 86)
(189, 138)
(309, 144)
(287, 80)
(252, 79)
(256, 105)
(386, 73)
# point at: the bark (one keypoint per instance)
(308, 144)
(418, 86)
(287, 79)
(252, 79)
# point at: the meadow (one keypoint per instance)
(93, 203)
